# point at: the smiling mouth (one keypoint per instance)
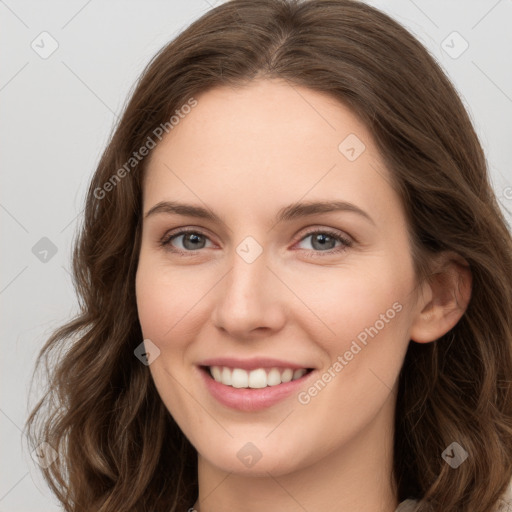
(254, 379)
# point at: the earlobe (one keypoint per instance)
(444, 300)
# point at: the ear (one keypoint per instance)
(444, 299)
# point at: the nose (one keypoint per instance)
(249, 300)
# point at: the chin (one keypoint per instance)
(258, 458)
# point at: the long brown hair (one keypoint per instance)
(119, 448)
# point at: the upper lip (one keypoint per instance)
(251, 364)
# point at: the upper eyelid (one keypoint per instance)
(183, 231)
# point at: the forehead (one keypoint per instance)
(273, 113)
(265, 139)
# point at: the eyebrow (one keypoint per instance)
(290, 212)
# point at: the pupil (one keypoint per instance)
(192, 238)
(323, 240)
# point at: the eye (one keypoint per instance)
(191, 240)
(325, 241)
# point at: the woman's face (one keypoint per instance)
(265, 279)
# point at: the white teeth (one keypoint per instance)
(287, 375)
(297, 374)
(216, 373)
(239, 378)
(273, 377)
(258, 378)
(225, 376)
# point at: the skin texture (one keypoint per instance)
(244, 154)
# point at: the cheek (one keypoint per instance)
(344, 302)
(161, 302)
(363, 333)
(170, 303)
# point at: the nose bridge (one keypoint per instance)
(247, 299)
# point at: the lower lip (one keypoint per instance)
(248, 399)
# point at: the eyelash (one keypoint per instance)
(346, 243)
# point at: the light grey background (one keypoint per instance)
(56, 115)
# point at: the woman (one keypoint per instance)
(295, 279)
